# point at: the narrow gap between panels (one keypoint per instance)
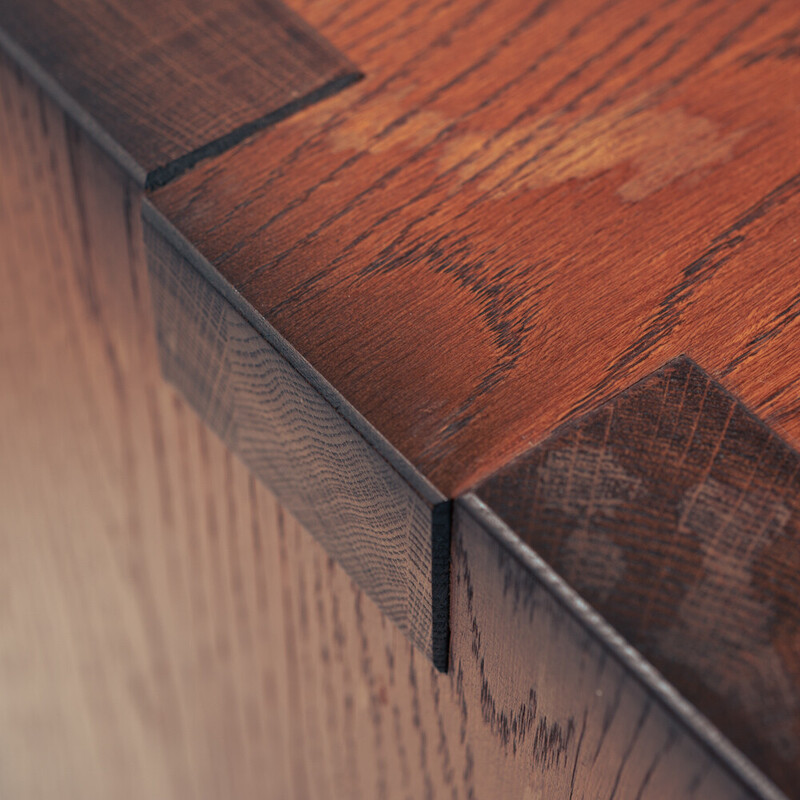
(163, 175)
(441, 527)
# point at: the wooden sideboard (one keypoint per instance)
(481, 477)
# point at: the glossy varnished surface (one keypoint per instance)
(676, 515)
(171, 82)
(522, 210)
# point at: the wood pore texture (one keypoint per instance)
(520, 211)
(676, 515)
(171, 82)
(169, 631)
(390, 539)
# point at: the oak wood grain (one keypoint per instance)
(676, 514)
(522, 210)
(393, 540)
(169, 631)
(162, 85)
(147, 684)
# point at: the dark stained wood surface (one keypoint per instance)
(164, 84)
(521, 210)
(676, 515)
(392, 540)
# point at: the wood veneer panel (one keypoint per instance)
(164, 84)
(619, 773)
(391, 539)
(522, 210)
(676, 514)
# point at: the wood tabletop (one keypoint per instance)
(520, 211)
(537, 267)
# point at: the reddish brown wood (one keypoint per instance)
(163, 84)
(522, 210)
(676, 514)
(580, 716)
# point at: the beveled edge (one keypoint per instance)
(345, 497)
(388, 451)
(685, 713)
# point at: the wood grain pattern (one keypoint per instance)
(676, 515)
(391, 539)
(522, 210)
(162, 85)
(169, 631)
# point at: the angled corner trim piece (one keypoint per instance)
(390, 535)
(694, 759)
(166, 84)
(675, 513)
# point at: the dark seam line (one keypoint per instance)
(173, 169)
(441, 527)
